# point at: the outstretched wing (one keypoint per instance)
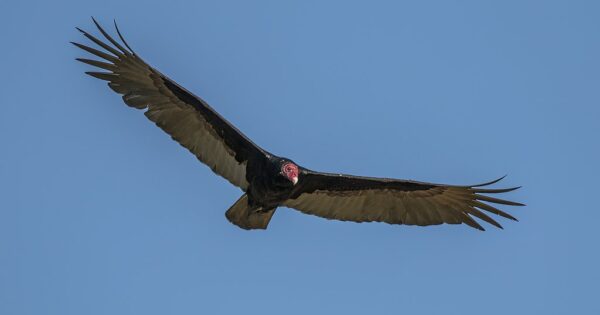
(185, 117)
(365, 199)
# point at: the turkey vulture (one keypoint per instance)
(270, 181)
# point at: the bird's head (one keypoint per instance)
(290, 171)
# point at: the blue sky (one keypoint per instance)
(101, 213)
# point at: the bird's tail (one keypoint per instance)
(247, 217)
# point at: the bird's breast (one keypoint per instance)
(267, 192)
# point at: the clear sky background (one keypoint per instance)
(102, 213)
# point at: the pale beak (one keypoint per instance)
(295, 180)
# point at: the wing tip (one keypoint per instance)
(122, 38)
(95, 22)
(494, 191)
(112, 40)
(490, 182)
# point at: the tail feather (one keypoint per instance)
(247, 217)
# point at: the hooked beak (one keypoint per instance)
(295, 180)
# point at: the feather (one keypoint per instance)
(100, 43)
(121, 37)
(99, 64)
(494, 191)
(103, 75)
(110, 39)
(483, 216)
(97, 52)
(491, 209)
(496, 200)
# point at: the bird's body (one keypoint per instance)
(269, 181)
(267, 189)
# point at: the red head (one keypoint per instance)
(290, 171)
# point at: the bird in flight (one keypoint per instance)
(270, 181)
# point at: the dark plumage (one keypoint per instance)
(270, 181)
